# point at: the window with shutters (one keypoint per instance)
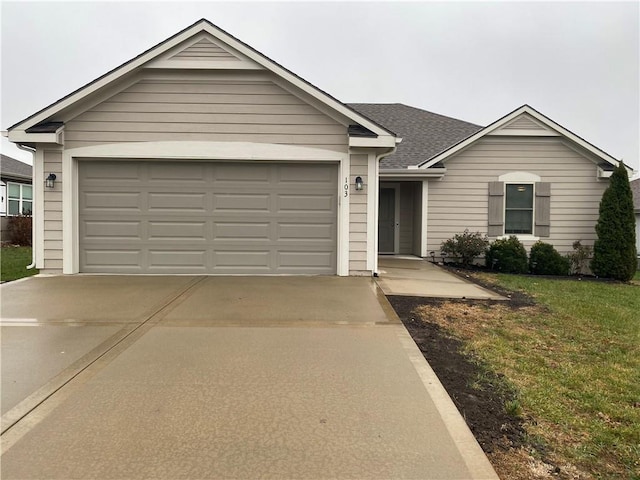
(519, 204)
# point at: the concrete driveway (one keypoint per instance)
(220, 377)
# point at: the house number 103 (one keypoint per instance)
(346, 186)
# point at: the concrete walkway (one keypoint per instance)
(415, 277)
(212, 377)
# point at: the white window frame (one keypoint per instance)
(21, 199)
(519, 178)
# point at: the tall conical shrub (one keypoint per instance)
(614, 252)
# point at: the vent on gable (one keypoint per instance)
(204, 50)
(523, 122)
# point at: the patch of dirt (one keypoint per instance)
(484, 398)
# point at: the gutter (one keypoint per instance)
(32, 151)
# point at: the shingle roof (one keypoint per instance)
(10, 167)
(424, 134)
(635, 189)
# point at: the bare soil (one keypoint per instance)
(484, 398)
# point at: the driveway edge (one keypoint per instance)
(474, 457)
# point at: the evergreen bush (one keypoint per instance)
(507, 255)
(544, 259)
(465, 247)
(614, 252)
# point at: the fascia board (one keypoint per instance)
(294, 79)
(20, 136)
(367, 142)
(104, 80)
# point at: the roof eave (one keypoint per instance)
(199, 26)
(403, 173)
(510, 116)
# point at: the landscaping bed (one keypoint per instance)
(545, 381)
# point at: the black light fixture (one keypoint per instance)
(50, 180)
(359, 183)
(433, 256)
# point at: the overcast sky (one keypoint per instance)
(576, 62)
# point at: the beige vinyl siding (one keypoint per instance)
(53, 214)
(203, 109)
(460, 199)
(358, 215)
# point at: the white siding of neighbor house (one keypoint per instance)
(53, 213)
(460, 199)
(358, 215)
(214, 108)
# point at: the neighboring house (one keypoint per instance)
(202, 155)
(635, 189)
(15, 190)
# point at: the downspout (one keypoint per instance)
(32, 151)
(376, 203)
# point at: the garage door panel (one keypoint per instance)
(306, 231)
(110, 229)
(108, 201)
(113, 258)
(238, 175)
(241, 203)
(242, 260)
(194, 202)
(306, 203)
(178, 258)
(190, 173)
(254, 231)
(207, 217)
(176, 230)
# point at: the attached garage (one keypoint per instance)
(197, 217)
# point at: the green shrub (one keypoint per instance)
(19, 230)
(507, 255)
(614, 252)
(465, 247)
(579, 257)
(544, 259)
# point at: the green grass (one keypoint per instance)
(576, 365)
(14, 261)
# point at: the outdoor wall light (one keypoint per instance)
(359, 183)
(50, 180)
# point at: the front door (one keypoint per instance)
(387, 220)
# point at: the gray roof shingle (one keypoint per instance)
(424, 134)
(12, 168)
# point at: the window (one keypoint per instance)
(518, 215)
(519, 204)
(19, 199)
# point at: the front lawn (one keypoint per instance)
(14, 261)
(572, 356)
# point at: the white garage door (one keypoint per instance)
(206, 217)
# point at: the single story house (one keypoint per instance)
(635, 190)
(16, 193)
(201, 155)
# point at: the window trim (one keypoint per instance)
(511, 178)
(20, 199)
